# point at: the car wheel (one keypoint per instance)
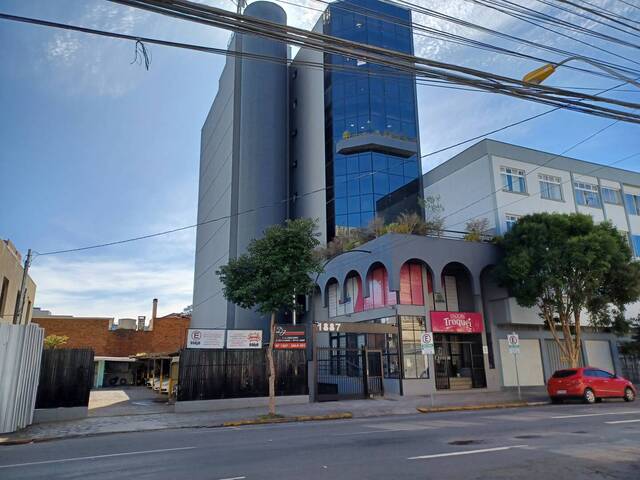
(629, 395)
(556, 400)
(589, 396)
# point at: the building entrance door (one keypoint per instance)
(459, 362)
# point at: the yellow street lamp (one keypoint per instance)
(539, 75)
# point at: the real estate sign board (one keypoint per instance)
(244, 339)
(205, 338)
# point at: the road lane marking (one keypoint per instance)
(93, 457)
(467, 452)
(628, 412)
(233, 478)
(623, 421)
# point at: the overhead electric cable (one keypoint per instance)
(399, 61)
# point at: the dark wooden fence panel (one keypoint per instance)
(66, 378)
(211, 374)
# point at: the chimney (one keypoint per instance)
(154, 313)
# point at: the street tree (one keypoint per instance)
(266, 277)
(567, 265)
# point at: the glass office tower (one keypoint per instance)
(371, 126)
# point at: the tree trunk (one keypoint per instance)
(272, 367)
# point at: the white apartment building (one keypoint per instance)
(502, 182)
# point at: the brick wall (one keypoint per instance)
(168, 335)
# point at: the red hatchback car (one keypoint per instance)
(589, 383)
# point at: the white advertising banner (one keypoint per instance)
(205, 338)
(244, 338)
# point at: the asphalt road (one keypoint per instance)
(567, 441)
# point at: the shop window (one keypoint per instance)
(451, 293)
(413, 361)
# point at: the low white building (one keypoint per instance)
(502, 182)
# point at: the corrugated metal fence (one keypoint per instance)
(20, 352)
(209, 374)
(66, 377)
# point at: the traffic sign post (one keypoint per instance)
(513, 341)
(428, 349)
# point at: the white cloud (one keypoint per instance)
(93, 286)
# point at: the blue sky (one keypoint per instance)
(96, 149)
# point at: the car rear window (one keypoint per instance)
(564, 373)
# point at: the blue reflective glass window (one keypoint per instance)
(376, 86)
(354, 219)
(350, 88)
(353, 186)
(379, 162)
(354, 204)
(366, 203)
(341, 206)
(396, 165)
(352, 164)
(381, 183)
(366, 183)
(350, 125)
(395, 182)
(341, 186)
(365, 162)
(411, 169)
(377, 123)
(341, 220)
(409, 129)
(339, 166)
(366, 218)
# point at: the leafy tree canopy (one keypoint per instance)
(274, 267)
(570, 262)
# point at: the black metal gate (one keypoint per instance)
(348, 373)
(457, 360)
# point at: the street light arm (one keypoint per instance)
(610, 71)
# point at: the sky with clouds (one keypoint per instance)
(95, 148)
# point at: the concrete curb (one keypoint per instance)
(238, 423)
(488, 406)
(300, 418)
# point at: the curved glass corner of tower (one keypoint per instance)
(371, 126)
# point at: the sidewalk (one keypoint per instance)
(97, 425)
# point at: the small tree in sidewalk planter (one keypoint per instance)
(265, 278)
(566, 265)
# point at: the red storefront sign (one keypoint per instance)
(456, 322)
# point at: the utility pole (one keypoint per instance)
(17, 314)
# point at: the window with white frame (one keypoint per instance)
(550, 187)
(513, 180)
(511, 220)
(611, 195)
(633, 203)
(587, 194)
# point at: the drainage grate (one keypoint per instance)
(464, 442)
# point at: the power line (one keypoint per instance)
(584, 140)
(500, 129)
(598, 13)
(376, 55)
(433, 33)
(546, 95)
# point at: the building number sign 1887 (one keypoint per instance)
(328, 327)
